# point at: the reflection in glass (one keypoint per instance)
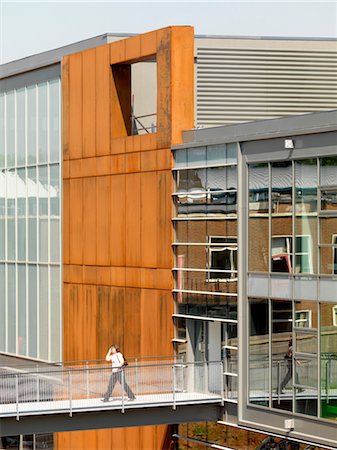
(207, 191)
(328, 260)
(43, 312)
(10, 129)
(22, 313)
(258, 240)
(11, 308)
(328, 335)
(3, 318)
(42, 123)
(282, 354)
(32, 310)
(54, 120)
(328, 169)
(328, 253)
(306, 186)
(281, 244)
(196, 156)
(2, 130)
(55, 313)
(31, 125)
(54, 190)
(305, 315)
(20, 128)
(259, 352)
(180, 158)
(306, 212)
(216, 154)
(329, 200)
(32, 191)
(210, 305)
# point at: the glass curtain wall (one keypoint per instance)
(206, 246)
(292, 278)
(30, 227)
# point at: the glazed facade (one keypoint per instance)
(256, 268)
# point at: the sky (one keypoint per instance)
(28, 27)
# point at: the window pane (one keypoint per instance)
(54, 119)
(3, 318)
(21, 191)
(22, 312)
(231, 153)
(32, 311)
(196, 156)
(32, 239)
(43, 189)
(55, 240)
(43, 313)
(32, 191)
(2, 238)
(259, 352)
(328, 260)
(20, 127)
(43, 240)
(10, 129)
(328, 171)
(328, 361)
(55, 313)
(306, 186)
(180, 158)
(54, 190)
(329, 200)
(258, 240)
(281, 257)
(42, 123)
(11, 299)
(31, 124)
(11, 239)
(282, 354)
(216, 154)
(21, 239)
(2, 130)
(210, 305)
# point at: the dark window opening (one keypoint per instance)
(136, 85)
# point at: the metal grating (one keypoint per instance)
(242, 85)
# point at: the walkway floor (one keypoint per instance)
(115, 403)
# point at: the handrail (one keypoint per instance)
(107, 367)
(38, 364)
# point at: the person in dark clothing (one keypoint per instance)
(289, 358)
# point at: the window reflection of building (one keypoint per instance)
(222, 258)
(206, 254)
(303, 241)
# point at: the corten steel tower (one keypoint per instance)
(117, 233)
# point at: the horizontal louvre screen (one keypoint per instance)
(241, 85)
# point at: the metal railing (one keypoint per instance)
(82, 387)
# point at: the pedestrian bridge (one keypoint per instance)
(68, 398)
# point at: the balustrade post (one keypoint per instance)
(17, 397)
(87, 378)
(174, 388)
(137, 375)
(328, 375)
(278, 382)
(70, 389)
(122, 377)
(222, 387)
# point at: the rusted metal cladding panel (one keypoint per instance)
(151, 438)
(117, 209)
